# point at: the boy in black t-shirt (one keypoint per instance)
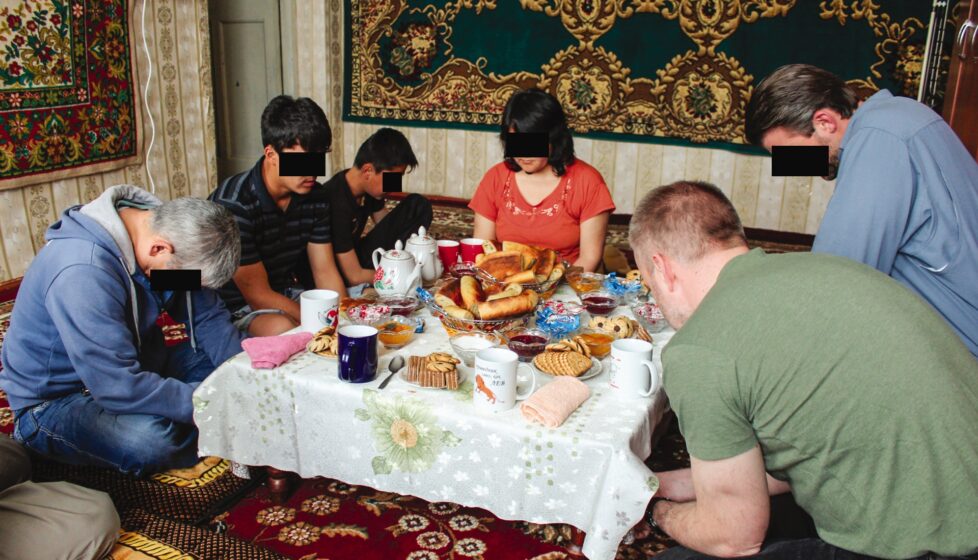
(357, 194)
(283, 217)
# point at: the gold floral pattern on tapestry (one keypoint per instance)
(404, 65)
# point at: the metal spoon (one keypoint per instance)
(397, 362)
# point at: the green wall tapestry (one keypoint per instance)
(67, 95)
(673, 71)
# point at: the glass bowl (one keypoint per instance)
(467, 344)
(584, 282)
(401, 305)
(462, 269)
(395, 331)
(649, 315)
(527, 343)
(600, 302)
(368, 313)
(597, 340)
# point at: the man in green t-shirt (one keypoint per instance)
(809, 374)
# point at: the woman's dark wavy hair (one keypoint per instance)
(534, 110)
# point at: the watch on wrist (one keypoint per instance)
(650, 517)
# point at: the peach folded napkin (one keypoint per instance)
(268, 352)
(555, 401)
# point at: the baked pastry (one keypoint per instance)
(507, 307)
(324, 343)
(502, 264)
(573, 364)
(573, 344)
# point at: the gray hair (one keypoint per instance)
(204, 235)
(789, 98)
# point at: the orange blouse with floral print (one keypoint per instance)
(556, 221)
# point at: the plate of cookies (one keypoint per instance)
(568, 357)
(438, 370)
(324, 343)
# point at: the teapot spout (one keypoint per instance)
(414, 279)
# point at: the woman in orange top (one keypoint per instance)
(558, 201)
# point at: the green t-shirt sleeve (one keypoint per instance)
(702, 389)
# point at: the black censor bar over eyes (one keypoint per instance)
(302, 164)
(392, 181)
(799, 161)
(179, 280)
(527, 144)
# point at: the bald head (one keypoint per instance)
(686, 220)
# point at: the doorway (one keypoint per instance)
(246, 46)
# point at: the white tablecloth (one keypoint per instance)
(434, 444)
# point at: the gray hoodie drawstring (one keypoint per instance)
(190, 322)
(135, 307)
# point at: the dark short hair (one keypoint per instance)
(534, 110)
(686, 220)
(789, 98)
(386, 149)
(287, 121)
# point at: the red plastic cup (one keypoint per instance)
(471, 247)
(448, 253)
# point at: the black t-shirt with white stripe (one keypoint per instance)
(275, 238)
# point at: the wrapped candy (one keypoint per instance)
(621, 287)
(559, 318)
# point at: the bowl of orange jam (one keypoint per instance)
(585, 282)
(395, 332)
(598, 341)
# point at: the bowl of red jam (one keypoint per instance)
(462, 269)
(600, 302)
(527, 343)
(401, 305)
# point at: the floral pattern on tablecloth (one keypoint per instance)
(405, 433)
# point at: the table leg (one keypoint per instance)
(577, 543)
(279, 485)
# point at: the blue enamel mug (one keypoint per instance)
(357, 353)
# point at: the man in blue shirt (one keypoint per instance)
(906, 196)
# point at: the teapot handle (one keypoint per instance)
(378, 252)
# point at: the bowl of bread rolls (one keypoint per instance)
(465, 304)
(534, 268)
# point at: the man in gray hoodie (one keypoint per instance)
(98, 367)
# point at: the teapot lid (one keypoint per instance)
(420, 238)
(398, 253)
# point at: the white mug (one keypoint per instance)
(495, 380)
(319, 309)
(633, 373)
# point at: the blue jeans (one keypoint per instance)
(74, 429)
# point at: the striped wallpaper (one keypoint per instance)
(182, 159)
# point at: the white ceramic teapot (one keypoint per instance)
(397, 273)
(425, 250)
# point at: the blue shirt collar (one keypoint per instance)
(878, 97)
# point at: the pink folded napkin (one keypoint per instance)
(554, 402)
(268, 352)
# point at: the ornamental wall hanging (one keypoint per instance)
(68, 106)
(672, 71)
